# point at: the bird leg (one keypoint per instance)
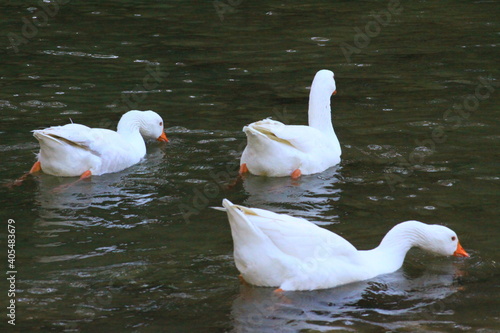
(36, 167)
(296, 174)
(279, 293)
(242, 280)
(19, 181)
(243, 169)
(85, 175)
(241, 172)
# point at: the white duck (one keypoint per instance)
(78, 150)
(276, 150)
(277, 250)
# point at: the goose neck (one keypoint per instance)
(390, 254)
(130, 123)
(320, 115)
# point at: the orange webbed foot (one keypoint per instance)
(243, 169)
(239, 178)
(36, 167)
(242, 280)
(279, 293)
(296, 174)
(19, 181)
(87, 174)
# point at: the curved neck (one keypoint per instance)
(390, 254)
(129, 128)
(320, 114)
(130, 123)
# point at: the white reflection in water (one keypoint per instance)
(365, 303)
(310, 197)
(110, 201)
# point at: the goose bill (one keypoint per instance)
(460, 252)
(163, 137)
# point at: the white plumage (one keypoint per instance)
(275, 149)
(74, 149)
(278, 250)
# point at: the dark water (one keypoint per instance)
(141, 251)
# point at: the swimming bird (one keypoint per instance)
(276, 150)
(289, 253)
(77, 150)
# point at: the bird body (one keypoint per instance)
(278, 250)
(275, 149)
(73, 149)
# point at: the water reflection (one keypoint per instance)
(310, 197)
(104, 191)
(65, 206)
(349, 307)
(222, 75)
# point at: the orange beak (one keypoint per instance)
(334, 92)
(163, 137)
(460, 252)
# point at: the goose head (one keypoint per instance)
(152, 126)
(441, 240)
(324, 83)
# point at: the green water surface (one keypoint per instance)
(141, 251)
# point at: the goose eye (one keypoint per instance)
(453, 238)
(161, 123)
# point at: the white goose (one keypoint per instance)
(277, 250)
(276, 150)
(78, 150)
